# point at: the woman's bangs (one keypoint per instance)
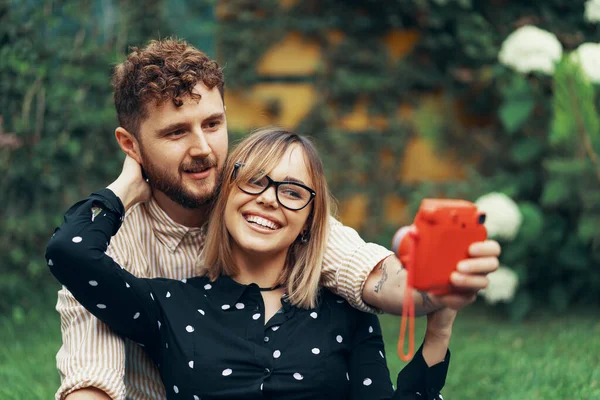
(259, 161)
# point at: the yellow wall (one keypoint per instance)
(295, 55)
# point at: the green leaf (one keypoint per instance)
(573, 255)
(566, 167)
(527, 150)
(588, 227)
(514, 113)
(533, 222)
(574, 109)
(555, 193)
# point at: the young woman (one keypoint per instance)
(255, 324)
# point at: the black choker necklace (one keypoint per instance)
(269, 289)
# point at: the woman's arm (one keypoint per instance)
(423, 378)
(76, 256)
(368, 372)
(425, 375)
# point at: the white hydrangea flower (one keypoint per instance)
(503, 217)
(502, 287)
(588, 56)
(530, 49)
(592, 11)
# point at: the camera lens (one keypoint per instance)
(481, 219)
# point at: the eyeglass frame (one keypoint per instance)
(276, 184)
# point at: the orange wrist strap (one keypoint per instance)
(408, 308)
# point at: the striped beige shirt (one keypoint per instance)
(150, 244)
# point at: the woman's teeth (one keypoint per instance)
(262, 222)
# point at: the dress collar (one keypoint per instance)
(227, 291)
(168, 232)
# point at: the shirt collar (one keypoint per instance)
(228, 291)
(168, 232)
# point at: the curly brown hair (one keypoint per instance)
(166, 69)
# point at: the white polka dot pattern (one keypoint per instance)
(298, 376)
(77, 239)
(227, 372)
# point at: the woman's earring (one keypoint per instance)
(304, 237)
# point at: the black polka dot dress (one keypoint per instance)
(209, 339)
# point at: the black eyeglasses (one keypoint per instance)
(291, 195)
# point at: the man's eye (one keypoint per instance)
(176, 133)
(213, 124)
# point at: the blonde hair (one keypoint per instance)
(261, 151)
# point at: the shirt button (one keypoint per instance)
(266, 339)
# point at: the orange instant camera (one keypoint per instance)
(431, 248)
(438, 239)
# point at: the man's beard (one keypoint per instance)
(172, 186)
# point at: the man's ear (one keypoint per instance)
(128, 143)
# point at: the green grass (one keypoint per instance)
(542, 358)
(545, 357)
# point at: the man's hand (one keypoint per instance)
(384, 288)
(89, 393)
(130, 186)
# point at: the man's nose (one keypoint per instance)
(268, 198)
(199, 146)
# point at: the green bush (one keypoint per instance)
(518, 144)
(56, 141)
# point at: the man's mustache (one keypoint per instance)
(200, 164)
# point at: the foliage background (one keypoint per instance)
(57, 119)
(57, 116)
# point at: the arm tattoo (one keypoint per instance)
(384, 276)
(426, 299)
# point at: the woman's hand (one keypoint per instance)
(437, 335)
(130, 186)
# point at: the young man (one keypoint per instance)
(169, 100)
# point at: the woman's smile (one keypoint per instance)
(262, 222)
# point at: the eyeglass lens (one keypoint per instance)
(290, 195)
